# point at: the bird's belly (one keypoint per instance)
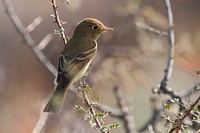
(82, 71)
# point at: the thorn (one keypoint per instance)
(68, 2)
(63, 22)
(50, 3)
(52, 15)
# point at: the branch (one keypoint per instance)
(170, 62)
(26, 36)
(179, 121)
(126, 109)
(45, 41)
(58, 21)
(92, 111)
(171, 40)
(39, 54)
(105, 108)
(88, 103)
(37, 21)
(152, 29)
(102, 107)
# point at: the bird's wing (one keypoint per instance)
(66, 63)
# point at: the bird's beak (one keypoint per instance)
(107, 29)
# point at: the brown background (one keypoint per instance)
(129, 57)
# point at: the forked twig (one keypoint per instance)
(163, 87)
(179, 121)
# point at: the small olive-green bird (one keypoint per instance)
(75, 59)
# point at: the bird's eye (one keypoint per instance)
(95, 27)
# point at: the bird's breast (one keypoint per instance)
(82, 71)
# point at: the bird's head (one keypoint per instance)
(90, 28)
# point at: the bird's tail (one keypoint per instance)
(57, 99)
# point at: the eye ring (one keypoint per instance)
(95, 27)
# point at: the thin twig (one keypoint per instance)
(26, 36)
(170, 63)
(171, 40)
(152, 29)
(186, 92)
(105, 108)
(102, 107)
(163, 87)
(45, 41)
(127, 114)
(187, 112)
(91, 109)
(59, 22)
(34, 24)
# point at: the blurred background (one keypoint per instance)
(130, 57)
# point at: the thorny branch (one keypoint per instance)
(187, 112)
(58, 21)
(92, 111)
(106, 108)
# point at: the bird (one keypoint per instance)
(75, 59)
